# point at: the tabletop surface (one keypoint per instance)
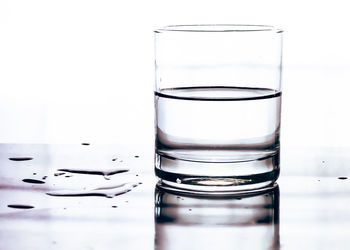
(105, 197)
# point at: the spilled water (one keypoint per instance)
(104, 173)
(107, 191)
(54, 186)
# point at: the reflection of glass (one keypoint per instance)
(237, 222)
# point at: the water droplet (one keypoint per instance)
(34, 173)
(190, 209)
(137, 175)
(114, 159)
(44, 178)
(114, 206)
(322, 161)
(178, 181)
(342, 177)
(136, 156)
(33, 181)
(67, 176)
(58, 174)
(18, 206)
(20, 158)
(85, 144)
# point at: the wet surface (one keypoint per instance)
(80, 209)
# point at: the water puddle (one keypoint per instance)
(107, 191)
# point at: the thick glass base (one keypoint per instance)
(216, 178)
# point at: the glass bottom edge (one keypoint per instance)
(216, 178)
(184, 189)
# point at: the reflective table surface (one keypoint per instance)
(105, 197)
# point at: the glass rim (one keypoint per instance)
(205, 28)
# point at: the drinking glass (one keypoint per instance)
(217, 107)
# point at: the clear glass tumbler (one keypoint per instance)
(217, 107)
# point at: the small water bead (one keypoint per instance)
(33, 181)
(20, 206)
(342, 177)
(21, 158)
(58, 174)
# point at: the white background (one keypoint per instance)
(82, 71)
